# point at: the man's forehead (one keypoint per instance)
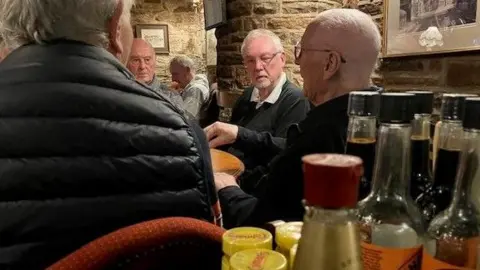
(259, 46)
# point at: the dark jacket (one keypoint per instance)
(86, 150)
(262, 131)
(279, 193)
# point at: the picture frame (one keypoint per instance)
(422, 27)
(156, 35)
(215, 13)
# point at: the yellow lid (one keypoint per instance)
(258, 259)
(293, 252)
(288, 234)
(242, 238)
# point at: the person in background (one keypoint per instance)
(85, 148)
(142, 64)
(337, 54)
(193, 87)
(262, 115)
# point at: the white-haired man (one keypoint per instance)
(262, 115)
(337, 55)
(193, 88)
(85, 149)
(142, 64)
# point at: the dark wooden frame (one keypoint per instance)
(164, 27)
(207, 12)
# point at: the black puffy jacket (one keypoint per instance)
(85, 150)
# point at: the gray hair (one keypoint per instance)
(257, 33)
(39, 21)
(184, 61)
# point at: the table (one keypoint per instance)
(226, 163)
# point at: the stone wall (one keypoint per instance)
(287, 18)
(185, 27)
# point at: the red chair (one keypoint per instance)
(175, 243)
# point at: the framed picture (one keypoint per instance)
(155, 34)
(414, 27)
(215, 12)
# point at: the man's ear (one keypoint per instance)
(114, 34)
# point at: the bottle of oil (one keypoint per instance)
(362, 132)
(391, 226)
(453, 234)
(330, 236)
(437, 198)
(421, 178)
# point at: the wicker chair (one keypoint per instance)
(175, 243)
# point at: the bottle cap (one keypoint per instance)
(331, 180)
(363, 103)
(453, 106)
(472, 113)
(288, 234)
(396, 108)
(423, 102)
(258, 259)
(242, 238)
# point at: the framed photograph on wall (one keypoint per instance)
(414, 27)
(215, 12)
(155, 34)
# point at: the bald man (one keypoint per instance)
(331, 67)
(142, 64)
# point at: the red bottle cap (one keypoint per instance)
(331, 180)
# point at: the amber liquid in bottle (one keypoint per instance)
(421, 174)
(453, 234)
(437, 197)
(365, 149)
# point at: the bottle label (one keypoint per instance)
(451, 254)
(381, 258)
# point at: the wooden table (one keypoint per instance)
(226, 163)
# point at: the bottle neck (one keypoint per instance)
(468, 170)
(450, 141)
(362, 129)
(392, 160)
(450, 135)
(421, 144)
(332, 216)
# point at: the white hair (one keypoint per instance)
(260, 33)
(359, 41)
(184, 61)
(40, 21)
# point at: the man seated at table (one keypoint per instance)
(192, 87)
(262, 115)
(142, 64)
(337, 54)
(85, 148)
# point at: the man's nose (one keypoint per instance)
(259, 65)
(142, 64)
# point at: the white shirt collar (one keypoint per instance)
(274, 95)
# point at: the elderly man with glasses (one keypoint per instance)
(262, 115)
(331, 68)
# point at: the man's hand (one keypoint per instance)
(219, 134)
(223, 180)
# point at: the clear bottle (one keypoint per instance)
(362, 133)
(453, 234)
(421, 178)
(391, 225)
(450, 136)
(330, 236)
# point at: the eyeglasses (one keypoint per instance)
(265, 60)
(298, 52)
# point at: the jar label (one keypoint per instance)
(430, 263)
(380, 258)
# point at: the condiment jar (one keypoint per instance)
(243, 238)
(258, 259)
(286, 236)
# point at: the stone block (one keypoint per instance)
(226, 72)
(289, 22)
(239, 8)
(372, 8)
(235, 25)
(229, 58)
(300, 7)
(239, 36)
(266, 8)
(254, 22)
(403, 65)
